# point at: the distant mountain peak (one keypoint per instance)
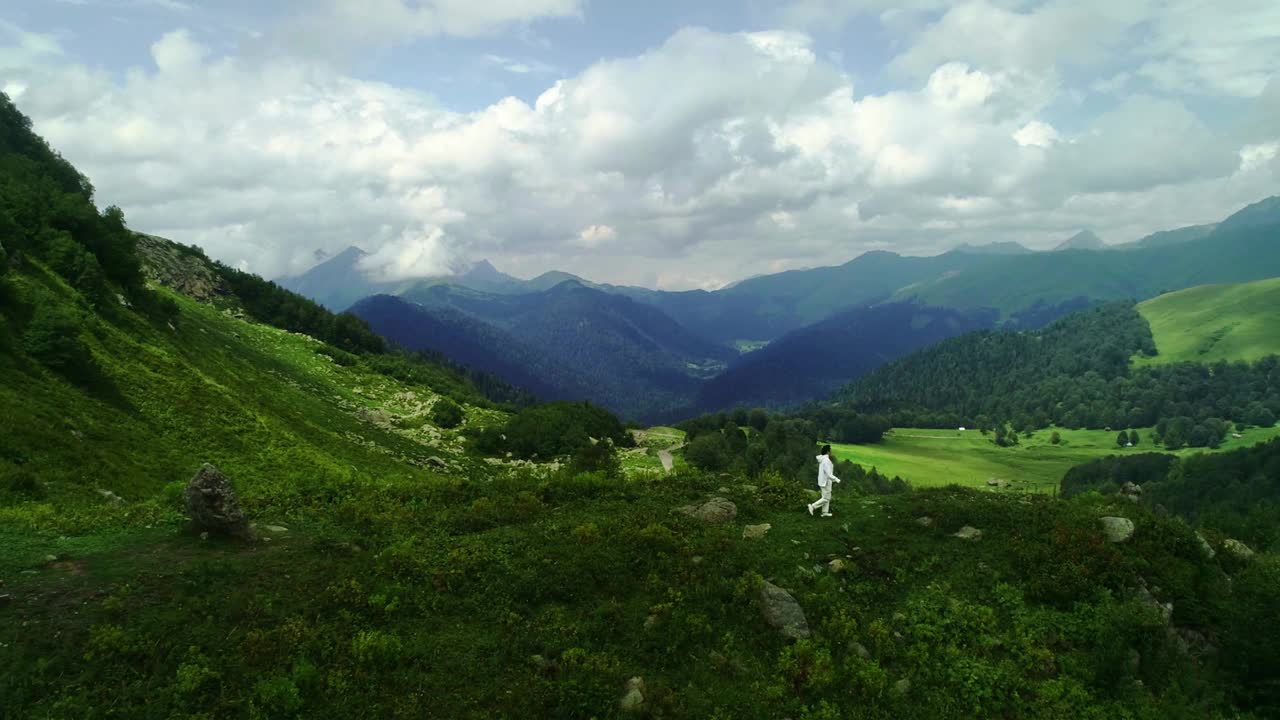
(1083, 240)
(996, 248)
(1263, 212)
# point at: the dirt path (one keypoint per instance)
(668, 462)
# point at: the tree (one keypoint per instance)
(1055, 438)
(758, 419)
(53, 338)
(1122, 439)
(599, 456)
(709, 451)
(1133, 437)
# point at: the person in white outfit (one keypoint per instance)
(826, 477)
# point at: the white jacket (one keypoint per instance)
(826, 472)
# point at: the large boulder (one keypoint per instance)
(715, 511)
(756, 532)
(213, 505)
(1117, 529)
(782, 612)
(969, 533)
(1237, 550)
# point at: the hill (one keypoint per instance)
(1170, 237)
(1074, 373)
(570, 342)
(339, 282)
(812, 362)
(1215, 322)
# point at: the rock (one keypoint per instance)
(1205, 547)
(836, 566)
(213, 505)
(968, 533)
(1117, 529)
(1148, 600)
(998, 483)
(749, 489)
(782, 612)
(902, 687)
(860, 650)
(1237, 550)
(755, 532)
(437, 462)
(204, 535)
(696, 559)
(924, 521)
(275, 528)
(712, 512)
(650, 622)
(111, 497)
(633, 700)
(723, 490)
(50, 558)
(1131, 491)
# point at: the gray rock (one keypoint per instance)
(755, 532)
(1237, 550)
(749, 489)
(968, 533)
(111, 497)
(1148, 600)
(860, 650)
(924, 521)
(837, 566)
(633, 700)
(437, 462)
(715, 511)
(275, 528)
(1131, 491)
(998, 483)
(1117, 529)
(782, 612)
(213, 505)
(650, 622)
(902, 687)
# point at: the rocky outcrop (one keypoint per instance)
(1117, 529)
(756, 532)
(782, 612)
(1237, 550)
(213, 505)
(715, 511)
(181, 270)
(968, 533)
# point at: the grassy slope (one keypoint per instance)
(262, 404)
(1215, 322)
(928, 458)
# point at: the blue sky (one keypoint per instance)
(668, 144)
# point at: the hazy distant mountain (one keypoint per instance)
(338, 282)
(1263, 212)
(998, 248)
(571, 341)
(1083, 240)
(1165, 238)
(812, 362)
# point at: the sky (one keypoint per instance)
(669, 144)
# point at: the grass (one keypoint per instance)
(1215, 322)
(930, 458)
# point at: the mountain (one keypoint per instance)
(571, 342)
(998, 248)
(339, 282)
(1083, 240)
(1233, 252)
(1165, 238)
(1265, 212)
(812, 362)
(1233, 322)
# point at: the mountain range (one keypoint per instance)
(652, 354)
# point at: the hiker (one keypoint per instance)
(826, 476)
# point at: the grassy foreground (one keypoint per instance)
(1215, 322)
(931, 457)
(542, 598)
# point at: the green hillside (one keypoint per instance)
(1215, 322)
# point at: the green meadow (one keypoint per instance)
(930, 457)
(1215, 322)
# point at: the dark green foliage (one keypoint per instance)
(1109, 474)
(1250, 644)
(840, 425)
(20, 482)
(53, 337)
(1133, 438)
(1122, 439)
(1236, 492)
(1055, 437)
(446, 413)
(596, 457)
(1074, 373)
(551, 430)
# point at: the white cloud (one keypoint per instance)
(701, 160)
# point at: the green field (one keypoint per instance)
(929, 458)
(1215, 322)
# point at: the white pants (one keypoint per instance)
(825, 502)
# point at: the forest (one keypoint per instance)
(1074, 373)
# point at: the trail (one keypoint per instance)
(668, 462)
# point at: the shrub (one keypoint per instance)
(53, 338)
(446, 413)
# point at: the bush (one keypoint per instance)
(53, 338)
(597, 457)
(21, 482)
(446, 413)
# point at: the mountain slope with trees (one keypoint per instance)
(1073, 373)
(813, 362)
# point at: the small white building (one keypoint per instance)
(961, 428)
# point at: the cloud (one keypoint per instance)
(706, 158)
